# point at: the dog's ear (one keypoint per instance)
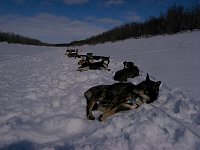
(124, 63)
(157, 84)
(147, 77)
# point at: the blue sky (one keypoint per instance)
(62, 21)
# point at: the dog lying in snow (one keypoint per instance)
(129, 71)
(72, 53)
(88, 64)
(117, 97)
(128, 64)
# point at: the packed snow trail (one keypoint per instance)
(42, 106)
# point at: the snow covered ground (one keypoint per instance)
(42, 104)
(173, 59)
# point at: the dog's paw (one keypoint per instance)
(91, 117)
(101, 117)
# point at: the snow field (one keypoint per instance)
(173, 59)
(42, 106)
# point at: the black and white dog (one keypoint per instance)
(88, 64)
(72, 53)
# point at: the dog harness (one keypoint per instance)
(135, 101)
(132, 101)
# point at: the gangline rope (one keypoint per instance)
(180, 123)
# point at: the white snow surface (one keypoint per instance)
(42, 106)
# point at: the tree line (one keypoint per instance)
(176, 19)
(16, 38)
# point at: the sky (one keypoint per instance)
(63, 21)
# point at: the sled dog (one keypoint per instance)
(87, 65)
(129, 71)
(72, 53)
(128, 64)
(117, 97)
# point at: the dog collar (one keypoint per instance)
(133, 101)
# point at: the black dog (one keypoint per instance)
(129, 71)
(88, 65)
(111, 99)
(72, 53)
(128, 64)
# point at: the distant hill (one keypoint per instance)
(15, 38)
(176, 19)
